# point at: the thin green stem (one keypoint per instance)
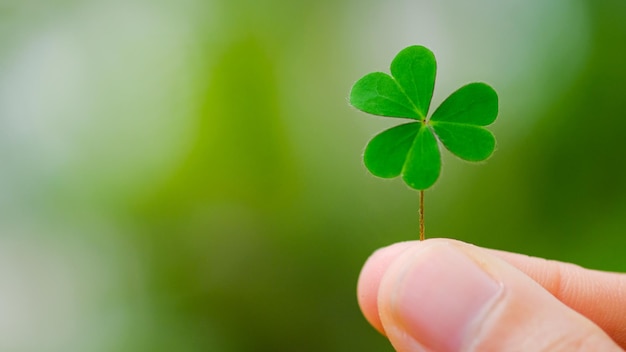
(421, 213)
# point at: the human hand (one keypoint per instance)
(446, 295)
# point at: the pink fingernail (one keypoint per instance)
(441, 295)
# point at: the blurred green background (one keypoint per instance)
(187, 175)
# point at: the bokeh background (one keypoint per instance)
(187, 176)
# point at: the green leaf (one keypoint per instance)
(468, 142)
(414, 68)
(423, 163)
(379, 94)
(412, 150)
(475, 104)
(386, 153)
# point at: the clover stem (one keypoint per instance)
(421, 212)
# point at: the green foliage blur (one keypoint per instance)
(187, 175)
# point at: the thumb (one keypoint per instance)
(443, 295)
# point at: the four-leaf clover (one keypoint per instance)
(412, 149)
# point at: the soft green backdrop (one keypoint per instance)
(187, 175)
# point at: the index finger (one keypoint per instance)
(598, 295)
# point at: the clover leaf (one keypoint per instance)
(411, 150)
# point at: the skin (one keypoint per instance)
(446, 295)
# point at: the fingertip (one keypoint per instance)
(370, 277)
(430, 297)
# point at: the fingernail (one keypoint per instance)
(441, 296)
